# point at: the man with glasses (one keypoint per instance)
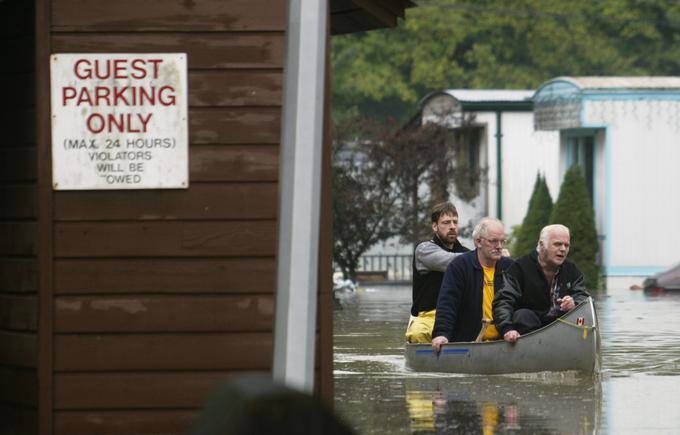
(429, 263)
(539, 287)
(468, 288)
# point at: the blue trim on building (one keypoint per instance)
(579, 132)
(557, 89)
(633, 270)
(562, 87)
(607, 257)
(570, 153)
(630, 95)
(596, 185)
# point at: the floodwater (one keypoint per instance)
(637, 389)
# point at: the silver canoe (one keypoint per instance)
(570, 343)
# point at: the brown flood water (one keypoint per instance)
(636, 391)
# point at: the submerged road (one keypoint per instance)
(636, 390)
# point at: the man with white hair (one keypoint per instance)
(539, 287)
(468, 288)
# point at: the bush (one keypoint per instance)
(574, 210)
(538, 216)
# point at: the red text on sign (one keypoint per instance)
(105, 69)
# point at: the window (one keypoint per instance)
(466, 142)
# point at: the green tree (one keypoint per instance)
(538, 216)
(573, 209)
(496, 44)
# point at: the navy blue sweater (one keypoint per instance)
(459, 307)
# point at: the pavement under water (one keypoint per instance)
(635, 391)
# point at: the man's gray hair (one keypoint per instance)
(545, 233)
(482, 227)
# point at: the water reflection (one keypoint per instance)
(501, 404)
(635, 392)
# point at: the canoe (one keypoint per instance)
(571, 342)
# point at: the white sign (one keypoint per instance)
(119, 121)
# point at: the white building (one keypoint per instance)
(504, 144)
(625, 132)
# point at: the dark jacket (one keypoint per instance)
(426, 285)
(526, 287)
(459, 307)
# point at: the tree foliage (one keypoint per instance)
(538, 216)
(495, 44)
(363, 195)
(420, 166)
(573, 209)
(384, 183)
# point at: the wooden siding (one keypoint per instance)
(178, 16)
(127, 403)
(19, 312)
(202, 202)
(18, 238)
(133, 391)
(151, 296)
(123, 422)
(164, 276)
(165, 239)
(17, 162)
(18, 349)
(223, 50)
(20, 387)
(163, 351)
(159, 294)
(18, 223)
(241, 87)
(22, 199)
(234, 163)
(160, 314)
(18, 420)
(18, 275)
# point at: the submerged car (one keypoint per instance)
(666, 281)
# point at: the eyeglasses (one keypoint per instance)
(495, 242)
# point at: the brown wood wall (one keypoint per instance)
(159, 294)
(18, 222)
(120, 310)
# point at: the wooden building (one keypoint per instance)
(121, 309)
